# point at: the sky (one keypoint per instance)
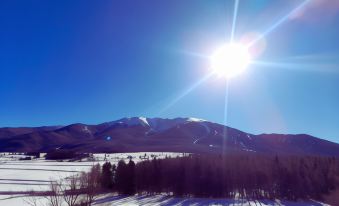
(63, 62)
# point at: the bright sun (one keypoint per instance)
(230, 60)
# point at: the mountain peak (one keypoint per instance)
(160, 134)
(155, 124)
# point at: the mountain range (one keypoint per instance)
(139, 134)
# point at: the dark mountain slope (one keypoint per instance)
(156, 134)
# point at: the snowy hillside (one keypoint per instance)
(140, 134)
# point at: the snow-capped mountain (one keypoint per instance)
(154, 124)
(138, 134)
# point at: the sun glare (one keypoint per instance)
(230, 60)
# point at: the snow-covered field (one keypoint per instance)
(163, 200)
(18, 176)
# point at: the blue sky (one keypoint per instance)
(94, 61)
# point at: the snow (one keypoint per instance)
(19, 176)
(164, 200)
(242, 145)
(157, 124)
(249, 137)
(115, 157)
(192, 119)
(195, 141)
(86, 130)
(131, 121)
(249, 150)
(25, 175)
(144, 120)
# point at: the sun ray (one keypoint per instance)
(279, 22)
(196, 84)
(194, 54)
(298, 66)
(186, 92)
(234, 21)
(225, 121)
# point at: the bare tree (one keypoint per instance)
(71, 189)
(90, 185)
(32, 200)
(54, 196)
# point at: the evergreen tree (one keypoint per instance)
(130, 179)
(107, 176)
(120, 177)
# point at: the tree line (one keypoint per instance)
(212, 176)
(251, 177)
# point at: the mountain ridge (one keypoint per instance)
(140, 134)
